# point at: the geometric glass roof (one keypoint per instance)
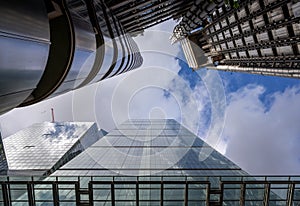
(42, 145)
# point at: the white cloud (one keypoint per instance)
(264, 142)
(139, 93)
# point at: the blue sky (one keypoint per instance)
(261, 130)
(234, 81)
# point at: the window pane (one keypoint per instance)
(174, 194)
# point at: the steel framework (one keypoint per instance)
(213, 190)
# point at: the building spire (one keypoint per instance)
(52, 115)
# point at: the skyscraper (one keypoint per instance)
(52, 47)
(150, 162)
(150, 147)
(258, 37)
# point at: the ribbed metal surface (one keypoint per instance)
(23, 51)
(70, 44)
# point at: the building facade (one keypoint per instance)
(52, 47)
(258, 37)
(150, 147)
(136, 16)
(150, 162)
(44, 147)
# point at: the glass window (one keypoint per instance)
(67, 194)
(174, 194)
(231, 194)
(254, 194)
(149, 194)
(125, 194)
(43, 194)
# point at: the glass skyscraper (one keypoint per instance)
(150, 162)
(150, 147)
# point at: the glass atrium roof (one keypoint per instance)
(41, 145)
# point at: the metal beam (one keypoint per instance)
(149, 16)
(142, 14)
(150, 25)
(160, 20)
(120, 4)
(290, 29)
(147, 21)
(131, 8)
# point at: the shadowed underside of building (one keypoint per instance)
(136, 16)
(258, 37)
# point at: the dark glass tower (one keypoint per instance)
(51, 47)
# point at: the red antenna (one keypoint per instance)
(52, 113)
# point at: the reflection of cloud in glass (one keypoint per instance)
(57, 131)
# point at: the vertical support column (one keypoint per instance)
(267, 194)
(5, 194)
(186, 194)
(30, 194)
(208, 194)
(290, 195)
(112, 191)
(221, 192)
(77, 192)
(137, 193)
(55, 194)
(161, 193)
(243, 193)
(91, 193)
